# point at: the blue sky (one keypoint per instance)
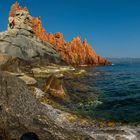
(112, 27)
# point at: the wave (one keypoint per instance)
(120, 133)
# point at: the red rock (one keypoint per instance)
(15, 7)
(38, 29)
(54, 87)
(74, 52)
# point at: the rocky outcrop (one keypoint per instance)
(16, 7)
(54, 87)
(21, 111)
(20, 41)
(11, 63)
(28, 80)
(44, 72)
(74, 52)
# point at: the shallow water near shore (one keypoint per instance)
(108, 93)
(119, 94)
(109, 96)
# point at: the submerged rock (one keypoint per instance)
(54, 87)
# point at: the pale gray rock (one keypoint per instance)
(28, 80)
(23, 45)
(20, 41)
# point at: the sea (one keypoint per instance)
(109, 93)
(118, 89)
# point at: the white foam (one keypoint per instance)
(129, 134)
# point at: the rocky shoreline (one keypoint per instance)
(24, 108)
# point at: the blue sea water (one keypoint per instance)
(119, 94)
(116, 92)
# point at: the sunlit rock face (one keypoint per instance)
(74, 52)
(54, 87)
(18, 15)
(20, 40)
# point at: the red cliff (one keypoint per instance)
(74, 52)
(15, 7)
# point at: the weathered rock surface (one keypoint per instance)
(10, 63)
(74, 52)
(16, 43)
(21, 111)
(28, 80)
(20, 41)
(54, 87)
(46, 71)
(15, 7)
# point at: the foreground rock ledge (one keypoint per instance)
(21, 112)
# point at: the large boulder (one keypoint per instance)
(10, 63)
(21, 112)
(54, 87)
(21, 43)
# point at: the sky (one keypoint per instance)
(112, 27)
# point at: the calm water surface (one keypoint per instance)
(109, 93)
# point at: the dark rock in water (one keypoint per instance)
(54, 87)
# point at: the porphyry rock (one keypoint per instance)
(74, 52)
(54, 87)
(20, 41)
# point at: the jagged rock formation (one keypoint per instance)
(15, 7)
(74, 52)
(20, 41)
